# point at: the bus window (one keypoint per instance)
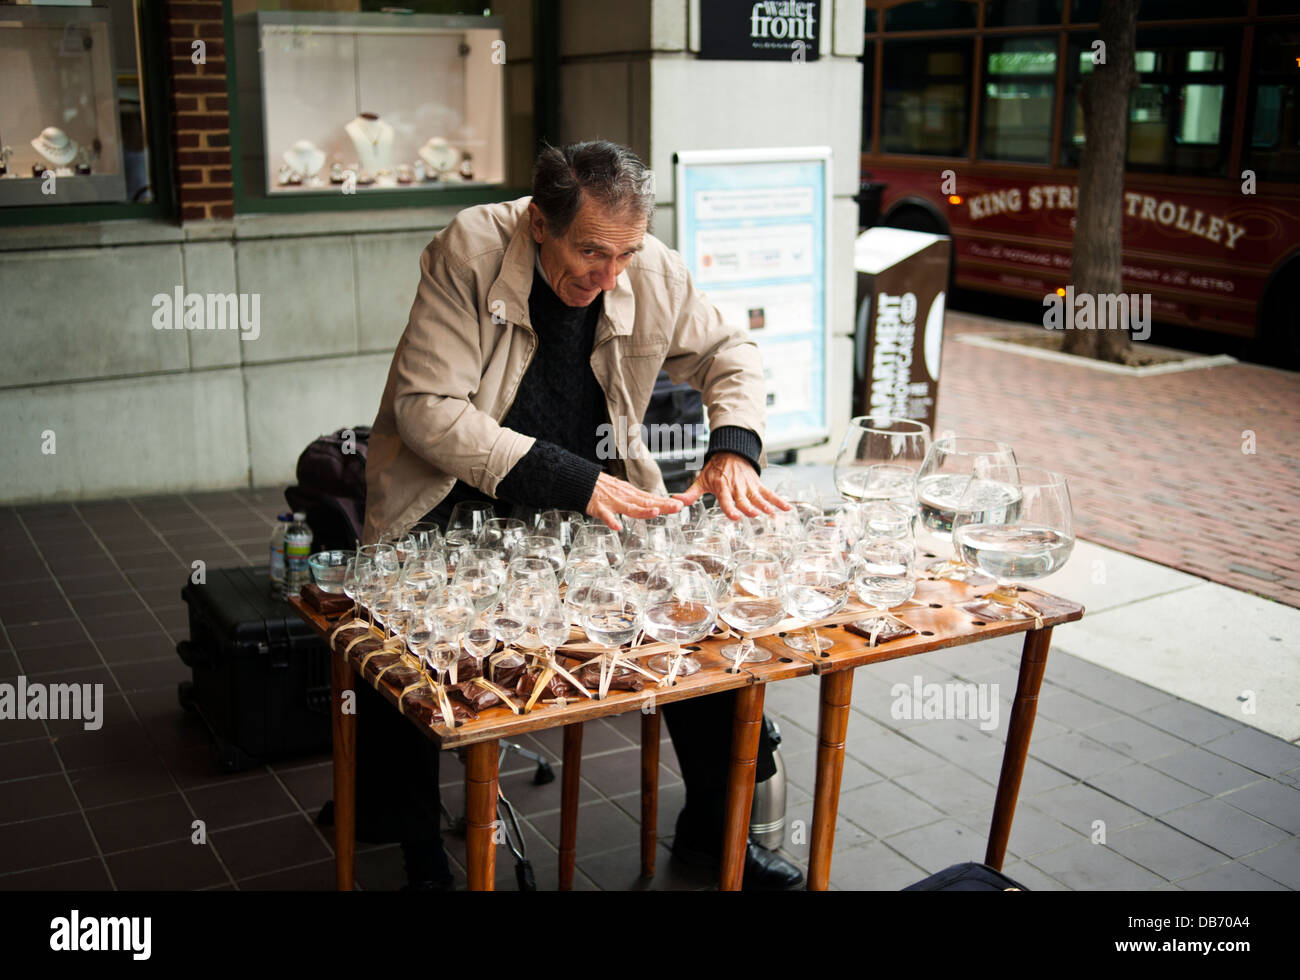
(1176, 111)
(925, 103)
(1019, 87)
(1085, 11)
(1273, 151)
(931, 15)
(1021, 13)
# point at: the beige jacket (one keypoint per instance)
(469, 341)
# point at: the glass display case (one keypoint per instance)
(368, 103)
(59, 138)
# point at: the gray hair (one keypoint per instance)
(611, 174)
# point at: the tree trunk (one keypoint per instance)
(1096, 265)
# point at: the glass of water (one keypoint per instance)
(884, 575)
(1013, 522)
(814, 585)
(940, 485)
(753, 604)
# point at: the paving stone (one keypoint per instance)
(1231, 877)
(1032, 878)
(952, 790)
(939, 845)
(1078, 806)
(1271, 801)
(891, 754)
(1146, 789)
(1281, 862)
(873, 867)
(1206, 771)
(1094, 867)
(1224, 827)
(1256, 750)
(1189, 721)
(1074, 711)
(1164, 850)
(885, 809)
(1077, 755)
(1135, 739)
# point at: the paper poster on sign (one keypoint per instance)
(752, 226)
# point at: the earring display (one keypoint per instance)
(60, 110)
(335, 105)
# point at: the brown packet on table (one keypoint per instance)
(630, 681)
(474, 695)
(423, 705)
(325, 603)
(890, 631)
(557, 687)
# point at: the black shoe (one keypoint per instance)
(764, 870)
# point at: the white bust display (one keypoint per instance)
(373, 140)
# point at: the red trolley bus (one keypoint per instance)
(972, 124)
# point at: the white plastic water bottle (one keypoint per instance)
(278, 567)
(297, 549)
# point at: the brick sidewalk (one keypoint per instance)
(1155, 464)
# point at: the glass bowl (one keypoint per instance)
(327, 568)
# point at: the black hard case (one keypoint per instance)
(261, 678)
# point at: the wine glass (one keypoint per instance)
(712, 552)
(428, 536)
(1013, 521)
(481, 573)
(561, 525)
(753, 604)
(424, 572)
(611, 617)
(545, 547)
(940, 484)
(466, 523)
(449, 611)
(804, 498)
(884, 575)
(685, 613)
(585, 560)
(873, 440)
(502, 535)
(814, 585)
(885, 519)
(535, 570)
(598, 535)
(354, 576)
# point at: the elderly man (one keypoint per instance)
(538, 325)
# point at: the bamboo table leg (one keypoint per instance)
(481, 814)
(746, 724)
(832, 728)
(345, 775)
(570, 772)
(649, 791)
(1033, 660)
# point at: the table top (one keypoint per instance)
(934, 613)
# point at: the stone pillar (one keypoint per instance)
(634, 76)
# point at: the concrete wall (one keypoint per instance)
(134, 409)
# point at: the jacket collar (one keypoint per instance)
(515, 282)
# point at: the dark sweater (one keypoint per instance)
(562, 405)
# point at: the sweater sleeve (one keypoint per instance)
(736, 439)
(550, 476)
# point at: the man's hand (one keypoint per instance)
(613, 496)
(731, 478)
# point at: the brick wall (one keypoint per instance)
(200, 115)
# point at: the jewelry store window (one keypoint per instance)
(76, 128)
(359, 108)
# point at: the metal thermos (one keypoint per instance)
(767, 818)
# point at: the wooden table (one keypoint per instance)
(940, 623)
(480, 740)
(934, 613)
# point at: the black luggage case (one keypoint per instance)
(261, 679)
(967, 877)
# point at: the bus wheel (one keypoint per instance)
(1279, 321)
(913, 218)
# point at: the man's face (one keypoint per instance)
(588, 257)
